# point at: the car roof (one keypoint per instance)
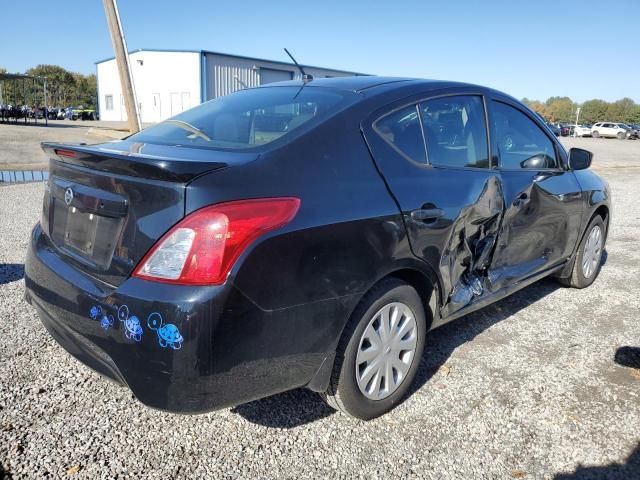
(362, 83)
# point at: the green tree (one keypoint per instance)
(633, 115)
(8, 89)
(60, 84)
(619, 111)
(86, 87)
(593, 111)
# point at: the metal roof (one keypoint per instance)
(231, 55)
(18, 76)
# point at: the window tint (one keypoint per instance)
(521, 143)
(245, 119)
(455, 132)
(401, 130)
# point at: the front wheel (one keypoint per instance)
(620, 136)
(379, 353)
(588, 259)
(595, 134)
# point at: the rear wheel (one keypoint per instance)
(378, 355)
(588, 260)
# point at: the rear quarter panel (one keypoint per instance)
(346, 235)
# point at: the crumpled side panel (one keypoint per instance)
(468, 252)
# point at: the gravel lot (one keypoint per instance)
(21, 143)
(526, 388)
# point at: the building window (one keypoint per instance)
(108, 102)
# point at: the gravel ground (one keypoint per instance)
(526, 388)
(21, 143)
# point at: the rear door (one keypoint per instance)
(434, 155)
(543, 205)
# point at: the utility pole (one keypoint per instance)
(124, 68)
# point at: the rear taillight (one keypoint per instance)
(202, 247)
(65, 153)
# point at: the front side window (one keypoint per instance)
(247, 118)
(521, 143)
(455, 131)
(401, 130)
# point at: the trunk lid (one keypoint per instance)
(106, 205)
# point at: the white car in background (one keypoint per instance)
(581, 131)
(610, 130)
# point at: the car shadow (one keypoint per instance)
(628, 357)
(11, 272)
(298, 407)
(622, 471)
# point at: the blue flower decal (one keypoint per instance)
(95, 312)
(106, 322)
(168, 335)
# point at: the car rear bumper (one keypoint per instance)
(181, 349)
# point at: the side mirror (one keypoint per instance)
(536, 162)
(579, 159)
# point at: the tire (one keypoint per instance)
(595, 134)
(620, 136)
(581, 278)
(345, 392)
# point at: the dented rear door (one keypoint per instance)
(435, 158)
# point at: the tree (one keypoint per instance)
(540, 108)
(633, 116)
(562, 109)
(60, 83)
(594, 111)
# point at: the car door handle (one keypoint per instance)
(426, 215)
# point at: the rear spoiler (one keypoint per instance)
(152, 161)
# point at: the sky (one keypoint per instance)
(536, 49)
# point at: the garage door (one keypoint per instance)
(270, 75)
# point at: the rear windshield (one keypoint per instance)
(246, 119)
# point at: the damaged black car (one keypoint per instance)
(305, 234)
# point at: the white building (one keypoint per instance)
(168, 81)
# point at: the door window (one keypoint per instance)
(455, 131)
(521, 143)
(401, 130)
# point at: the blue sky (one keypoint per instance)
(583, 49)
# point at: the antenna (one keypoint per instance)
(242, 84)
(305, 78)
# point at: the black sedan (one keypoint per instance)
(305, 235)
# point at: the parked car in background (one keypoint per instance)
(554, 128)
(305, 234)
(82, 113)
(611, 130)
(580, 131)
(564, 129)
(635, 131)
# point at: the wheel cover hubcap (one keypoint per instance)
(386, 351)
(592, 252)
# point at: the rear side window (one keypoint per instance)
(521, 143)
(455, 131)
(401, 130)
(248, 118)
